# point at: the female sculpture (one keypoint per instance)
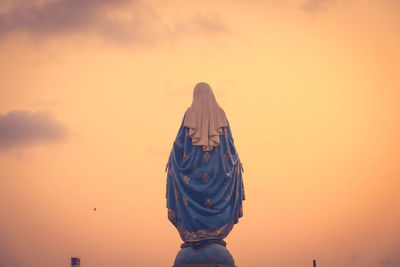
(204, 182)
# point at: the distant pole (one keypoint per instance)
(314, 263)
(75, 262)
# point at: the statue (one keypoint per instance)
(204, 182)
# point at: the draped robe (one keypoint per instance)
(204, 188)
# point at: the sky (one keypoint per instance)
(92, 94)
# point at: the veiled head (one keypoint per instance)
(203, 90)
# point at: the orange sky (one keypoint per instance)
(92, 94)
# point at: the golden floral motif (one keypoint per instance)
(206, 177)
(228, 197)
(207, 156)
(176, 193)
(184, 200)
(186, 179)
(185, 156)
(171, 214)
(208, 204)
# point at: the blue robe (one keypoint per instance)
(204, 188)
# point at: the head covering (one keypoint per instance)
(205, 118)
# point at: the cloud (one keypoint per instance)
(203, 24)
(21, 128)
(122, 21)
(58, 17)
(315, 6)
(385, 261)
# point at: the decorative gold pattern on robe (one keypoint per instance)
(205, 177)
(208, 204)
(171, 213)
(227, 155)
(170, 171)
(184, 200)
(176, 193)
(207, 233)
(185, 156)
(228, 197)
(186, 179)
(207, 156)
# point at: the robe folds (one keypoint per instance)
(204, 188)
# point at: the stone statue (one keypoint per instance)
(204, 182)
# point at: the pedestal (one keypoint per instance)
(213, 255)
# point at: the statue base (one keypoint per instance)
(212, 255)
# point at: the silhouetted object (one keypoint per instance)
(75, 262)
(314, 263)
(204, 183)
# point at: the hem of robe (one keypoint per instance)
(204, 234)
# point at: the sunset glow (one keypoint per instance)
(92, 94)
